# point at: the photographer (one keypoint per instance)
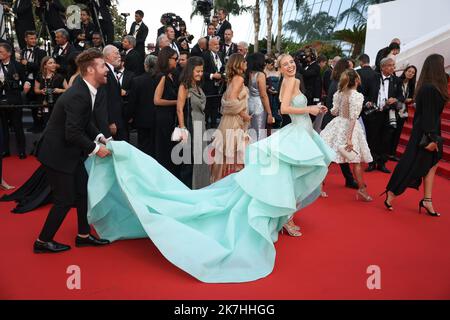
(213, 82)
(63, 51)
(24, 21)
(228, 47)
(49, 85)
(30, 58)
(83, 36)
(223, 24)
(140, 31)
(54, 14)
(12, 85)
(170, 33)
(309, 68)
(133, 60)
(378, 118)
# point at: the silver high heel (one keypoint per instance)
(291, 231)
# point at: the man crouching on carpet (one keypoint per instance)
(67, 141)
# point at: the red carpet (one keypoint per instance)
(341, 238)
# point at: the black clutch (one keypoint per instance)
(427, 139)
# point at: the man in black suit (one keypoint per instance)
(69, 138)
(310, 70)
(115, 105)
(199, 48)
(53, 13)
(228, 47)
(63, 51)
(133, 60)
(171, 35)
(223, 24)
(141, 105)
(124, 77)
(12, 84)
(368, 87)
(140, 31)
(24, 19)
(326, 77)
(382, 53)
(387, 91)
(30, 58)
(214, 82)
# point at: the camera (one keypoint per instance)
(49, 96)
(188, 39)
(305, 56)
(125, 15)
(204, 7)
(171, 19)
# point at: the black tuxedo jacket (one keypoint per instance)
(103, 9)
(196, 51)
(25, 18)
(35, 66)
(231, 50)
(88, 30)
(134, 62)
(221, 32)
(140, 37)
(210, 68)
(141, 106)
(70, 132)
(15, 71)
(63, 58)
(369, 87)
(395, 89)
(114, 100)
(326, 79)
(313, 81)
(53, 15)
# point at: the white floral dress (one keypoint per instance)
(347, 107)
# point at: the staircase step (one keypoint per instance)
(444, 166)
(404, 138)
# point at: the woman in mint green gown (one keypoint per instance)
(225, 232)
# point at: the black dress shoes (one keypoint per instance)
(371, 167)
(90, 241)
(22, 156)
(351, 184)
(49, 247)
(383, 168)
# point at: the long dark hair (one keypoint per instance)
(433, 72)
(163, 60)
(187, 75)
(256, 62)
(339, 68)
(411, 82)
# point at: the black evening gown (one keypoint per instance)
(416, 162)
(165, 120)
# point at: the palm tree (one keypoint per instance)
(298, 3)
(257, 23)
(234, 7)
(312, 27)
(355, 36)
(269, 6)
(358, 11)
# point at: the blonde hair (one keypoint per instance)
(281, 57)
(234, 66)
(348, 79)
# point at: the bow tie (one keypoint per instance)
(386, 78)
(30, 49)
(117, 71)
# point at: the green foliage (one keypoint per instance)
(355, 36)
(312, 27)
(358, 11)
(234, 7)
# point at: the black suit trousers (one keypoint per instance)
(212, 111)
(13, 116)
(108, 31)
(379, 135)
(68, 190)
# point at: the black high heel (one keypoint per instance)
(386, 204)
(421, 205)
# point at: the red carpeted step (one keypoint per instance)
(446, 113)
(405, 138)
(445, 125)
(444, 169)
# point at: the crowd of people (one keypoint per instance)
(196, 110)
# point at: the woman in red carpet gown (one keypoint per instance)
(425, 147)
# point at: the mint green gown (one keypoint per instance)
(222, 233)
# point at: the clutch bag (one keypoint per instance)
(348, 155)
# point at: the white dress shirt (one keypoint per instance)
(93, 92)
